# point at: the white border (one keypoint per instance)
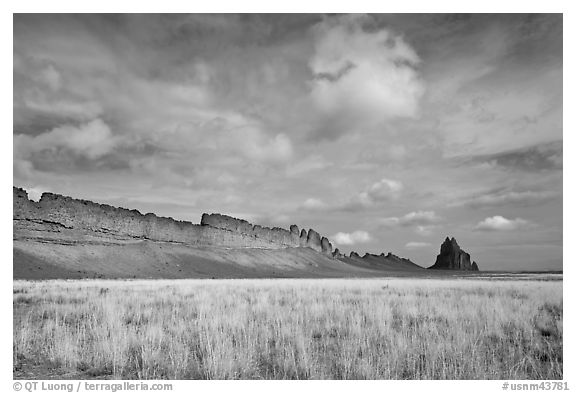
(301, 6)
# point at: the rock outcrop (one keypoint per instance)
(475, 266)
(452, 257)
(383, 262)
(387, 258)
(303, 238)
(60, 213)
(390, 257)
(326, 246)
(313, 241)
(294, 230)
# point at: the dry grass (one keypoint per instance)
(295, 329)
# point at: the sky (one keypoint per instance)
(385, 133)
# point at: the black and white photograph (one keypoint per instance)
(290, 196)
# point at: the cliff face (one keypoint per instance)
(278, 236)
(286, 238)
(452, 257)
(55, 213)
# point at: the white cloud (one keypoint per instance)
(382, 190)
(91, 140)
(499, 223)
(419, 218)
(81, 110)
(366, 76)
(390, 221)
(348, 239)
(414, 245)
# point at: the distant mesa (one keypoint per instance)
(452, 257)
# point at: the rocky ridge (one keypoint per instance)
(383, 259)
(57, 213)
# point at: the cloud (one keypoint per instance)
(546, 156)
(492, 94)
(314, 204)
(40, 91)
(255, 145)
(425, 230)
(507, 197)
(225, 137)
(415, 245)
(380, 191)
(348, 239)
(314, 162)
(363, 76)
(90, 140)
(499, 223)
(423, 222)
(419, 218)
(383, 190)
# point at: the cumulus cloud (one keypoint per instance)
(363, 75)
(415, 245)
(348, 239)
(499, 223)
(90, 140)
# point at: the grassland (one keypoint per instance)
(289, 329)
